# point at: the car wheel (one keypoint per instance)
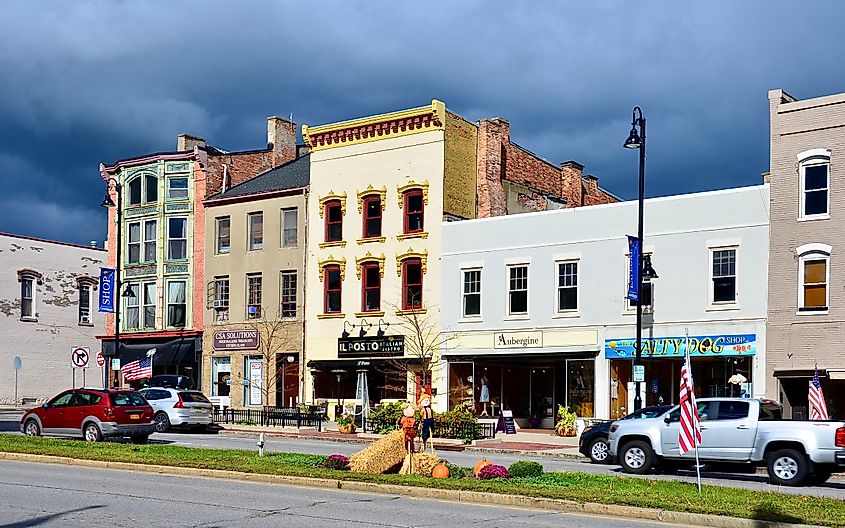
(139, 439)
(162, 422)
(788, 467)
(91, 432)
(31, 428)
(599, 451)
(636, 457)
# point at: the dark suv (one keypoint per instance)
(93, 414)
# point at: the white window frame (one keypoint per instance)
(464, 293)
(806, 253)
(170, 239)
(31, 316)
(138, 243)
(147, 241)
(282, 275)
(126, 306)
(812, 158)
(711, 291)
(518, 315)
(84, 311)
(286, 227)
(221, 315)
(168, 304)
(170, 188)
(218, 249)
(558, 287)
(260, 302)
(142, 313)
(249, 242)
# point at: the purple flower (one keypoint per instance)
(492, 471)
(336, 462)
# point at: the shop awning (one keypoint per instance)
(802, 373)
(485, 355)
(330, 364)
(177, 351)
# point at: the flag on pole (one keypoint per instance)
(138, 369)
(689, 436)
(818, 408)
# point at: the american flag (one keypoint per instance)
(818, 408)
(690, 434)
(138, 369)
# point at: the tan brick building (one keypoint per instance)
(806, 311)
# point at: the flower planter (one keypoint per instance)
(346, 429)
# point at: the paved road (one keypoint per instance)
(834, 489)
(47, 495)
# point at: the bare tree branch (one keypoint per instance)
(277, 335)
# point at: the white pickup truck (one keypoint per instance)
(738, 430)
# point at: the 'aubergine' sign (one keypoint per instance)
(235, 339)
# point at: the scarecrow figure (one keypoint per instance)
(427, 417)
(409, 431)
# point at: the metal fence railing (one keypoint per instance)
(459, 431)
(276, 416)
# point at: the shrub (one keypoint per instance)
(565, 425)
(385, 418)
(336, 462)
(458, 422)
(456, 471)
(525, 469)
(493, 471)
(246, 422)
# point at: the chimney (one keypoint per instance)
(186, 142)
(281, 139)
(491, 166)
(571, 177)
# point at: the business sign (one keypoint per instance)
(633, 268)
(639, 373)
(710, 346)
(107, 286)
(384, 346)
(255, 380)
(518, 339)
(236, 339)
(79, 357)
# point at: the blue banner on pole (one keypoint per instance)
(633, 268)
(107, 285)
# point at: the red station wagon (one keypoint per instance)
(93, 414)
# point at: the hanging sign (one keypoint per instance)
(709, 345)
(107, 286)
(633, 268)
(385, 346)
(248, 339)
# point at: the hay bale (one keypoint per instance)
(380, 456)
(422, 464)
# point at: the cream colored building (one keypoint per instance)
(254, 266)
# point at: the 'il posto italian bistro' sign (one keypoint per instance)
(235, 339)
(386, 346)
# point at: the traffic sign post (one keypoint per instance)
(101, 362)
(17, 363)
(79, 359)
(639, 373)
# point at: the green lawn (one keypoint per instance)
(580, 487)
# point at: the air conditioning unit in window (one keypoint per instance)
(85, 319)
(220, 304)
(254, 311)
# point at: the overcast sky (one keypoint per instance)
(85, 82)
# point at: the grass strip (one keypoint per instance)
(579, 487)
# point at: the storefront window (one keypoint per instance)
(221, 375)
(580, 377)
(461, 383)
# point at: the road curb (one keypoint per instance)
(464, 496)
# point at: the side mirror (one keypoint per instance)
(45, 405)
(667, 419)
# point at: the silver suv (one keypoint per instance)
(177, 407)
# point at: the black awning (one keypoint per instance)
(330, 364)
(179, 351)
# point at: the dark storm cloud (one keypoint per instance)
(91, 81)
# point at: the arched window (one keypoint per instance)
(813, 278)
(135, 191)
(143, 189)
(814, 175)
(151, 188)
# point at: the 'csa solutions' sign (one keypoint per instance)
(235, 339)
(386, 346)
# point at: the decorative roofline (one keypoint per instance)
(383, 126)
(197, 154)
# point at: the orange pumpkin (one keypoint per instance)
(440, 472)
(480, 464)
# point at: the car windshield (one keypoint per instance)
(196, 397)
(647, 412)
(124, 399)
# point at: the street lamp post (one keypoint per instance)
(108, 202)
(636, 140)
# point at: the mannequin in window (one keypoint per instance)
(484, 398)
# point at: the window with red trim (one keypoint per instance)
(370, 287)
(372, 216)
(333, 213)
(414, 209)
(412, 278)
(331, 289)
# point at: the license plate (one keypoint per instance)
(134, 416)
(200, 411)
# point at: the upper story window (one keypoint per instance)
(131, 305)
(288, 294)
(334, 220)
(332, 284)
(814, 170)
(150, 240)
(414, 208)
(221, 299)
(253, 296)
(567, 286)
(177, 304)
(29, 280)
(412, 284)
(148, 302)
(518, 289)
(255, 230)
(472, 293)
(85, 303)
(290, 229)
(177, 238)
(370, 287)
(177, 188)
(813, 278)
(134, 243)
(223, 233)
(372, 216)
(723, 287)
(143, 189)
